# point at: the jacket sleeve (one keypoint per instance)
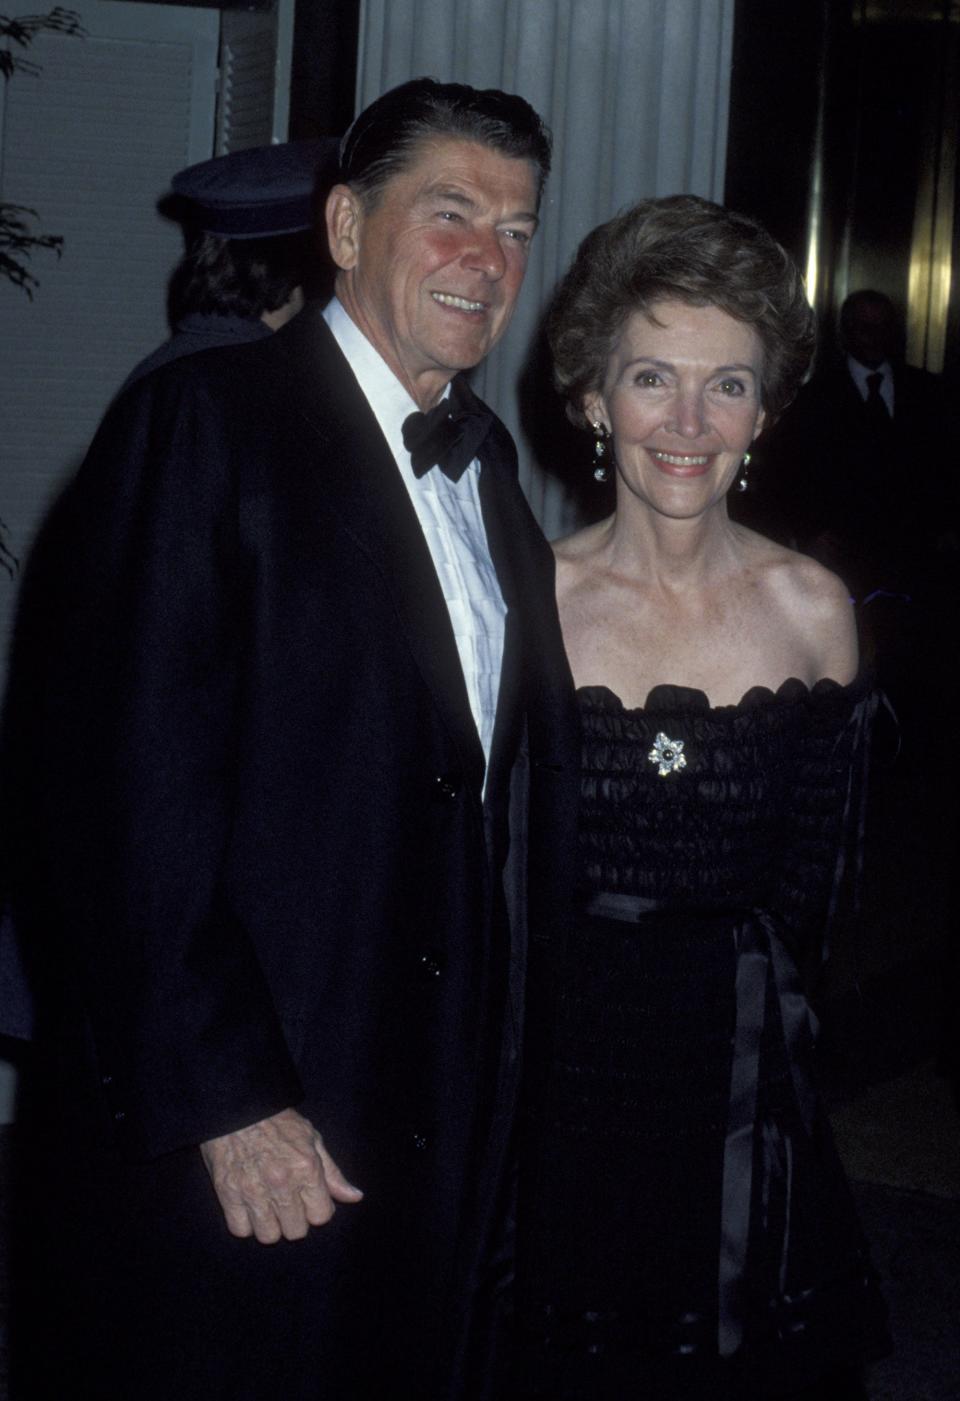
(127, 677)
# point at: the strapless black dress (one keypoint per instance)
(685, 1228)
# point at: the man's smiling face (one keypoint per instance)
(431, 272)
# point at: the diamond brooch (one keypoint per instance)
(667, 754)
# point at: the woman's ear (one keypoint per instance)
(595, 410)
(344, 216)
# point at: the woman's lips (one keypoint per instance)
(682, 464)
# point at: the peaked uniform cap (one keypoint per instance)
(262, 192)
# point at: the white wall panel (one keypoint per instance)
(91, 143)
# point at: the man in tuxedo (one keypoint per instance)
(291, 738)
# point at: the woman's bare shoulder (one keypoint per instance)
(798, 581)
(809, 587)
(817, 604)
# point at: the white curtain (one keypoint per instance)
(636, 94)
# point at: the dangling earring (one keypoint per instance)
(742, 482)
(600, 470)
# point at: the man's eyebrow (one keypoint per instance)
(454, 195)
(451, 193)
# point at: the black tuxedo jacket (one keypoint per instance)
(261, 872)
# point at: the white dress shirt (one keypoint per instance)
(452, 524)
(860, 372)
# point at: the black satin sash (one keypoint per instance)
(759, 947)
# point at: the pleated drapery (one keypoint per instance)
(636, 94)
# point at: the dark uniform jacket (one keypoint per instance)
(256, 870)
(200, 331)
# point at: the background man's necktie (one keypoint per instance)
(876, 404)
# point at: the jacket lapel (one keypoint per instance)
(359, 479)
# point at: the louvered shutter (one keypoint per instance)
(255, 55)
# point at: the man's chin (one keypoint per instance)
(465, 346)
(466, 356)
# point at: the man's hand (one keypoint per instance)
(275, 1179)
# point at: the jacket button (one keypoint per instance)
(106, 1080)
(430, 965)
(446, 786)
(120, 1116)
(419, 1141)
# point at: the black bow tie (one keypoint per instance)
(448, 437)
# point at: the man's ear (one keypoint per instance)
(344, 215)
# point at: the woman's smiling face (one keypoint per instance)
(681, 396)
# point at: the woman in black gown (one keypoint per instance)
(685, 1229)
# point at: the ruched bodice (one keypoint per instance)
(753, 817)
(685, 1228)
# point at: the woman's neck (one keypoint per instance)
(678, 554)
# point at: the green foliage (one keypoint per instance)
(23, 29)
(17, 241)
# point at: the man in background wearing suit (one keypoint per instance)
(856, 471)
(288, 686)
